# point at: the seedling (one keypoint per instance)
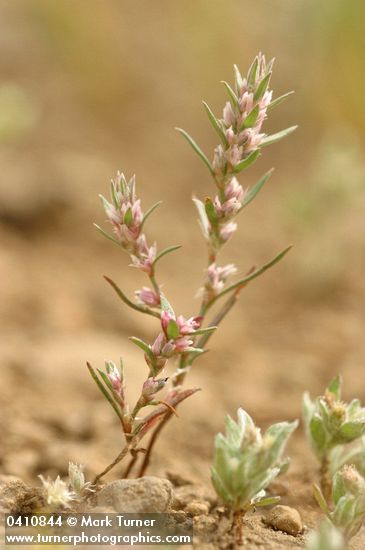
(331, 423)
(326, 537)
(348, 494)
(60, 494)
(245, 463)
(179, 339)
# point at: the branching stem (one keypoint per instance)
(116, 461)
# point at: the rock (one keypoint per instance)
(284, 518)
(18, 498)
(144, 495)
(187, 493)
(4, 480)
(197, 508)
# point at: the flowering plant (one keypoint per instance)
(179, 338)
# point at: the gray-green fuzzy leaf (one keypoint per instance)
(269, 140)
(255, 189)
(197, 149)
(232, 96)
(278, 100)
(317, 432)
(215, 123)
(245, 163)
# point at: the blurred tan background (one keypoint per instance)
(91, 87)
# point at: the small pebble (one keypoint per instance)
(197, 508)
(187, 493)
(286, 519)
(178, 515)
(204, 524)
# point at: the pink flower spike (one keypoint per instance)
(148, 297)
(234, 190)
(183, 343)
(115, 381)
(168, 349)
(152, 386)
(230, 135)
(158, 344)
(229, 118)
(188, 326)
(227, 231)
(115, 378)
(234, 154)
(216, 278)
(114, 216)
(145, 255)
(165, 318)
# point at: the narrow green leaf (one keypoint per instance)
(128, 302)
(270, 65)
(277, 137)
(104, 391)
(215, 123)
(245, 163)
(210, 211)
(166, 306)
(320, 499)
(104, 202)
(105, 379)
(166, 251)
(268, 501)
(335, 387)
(262, 87)
(255, 273)
(231, 94)
(145, 347)
(255, 189)
(110, 237)
(172, 329)
(124, 185)
(251, 77)
(121, 368)
(237, 78)
(278, 100)
(250, 119)
(197, 149)
(149, 212)
(203, 220)
(128, 217)
(206, 330)
(113, 195)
